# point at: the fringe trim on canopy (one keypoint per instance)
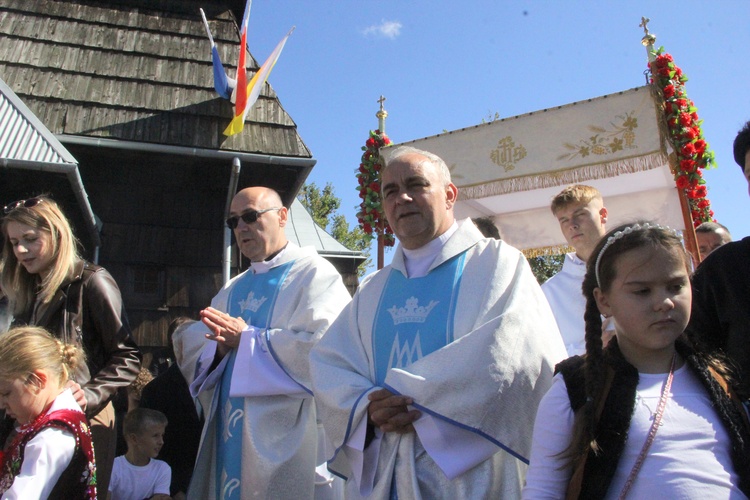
(564, 177)
(530, 253)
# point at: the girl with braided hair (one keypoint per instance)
(51, 455)
(647, 415)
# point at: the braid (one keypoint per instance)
(584, 431)
(72, 359)
(594, 371)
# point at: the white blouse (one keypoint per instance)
(689, 458)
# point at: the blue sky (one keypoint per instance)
(444, 65)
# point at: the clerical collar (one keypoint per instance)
(419, 260)
(270, 261)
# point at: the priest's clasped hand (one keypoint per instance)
(389, 412)
(225, 330)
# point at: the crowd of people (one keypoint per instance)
(449, 374)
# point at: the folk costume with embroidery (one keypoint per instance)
(472, 341)
(51, 457)
(260, 438)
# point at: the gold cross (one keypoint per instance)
(644, 24)
(381, 101)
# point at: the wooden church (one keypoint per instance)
(126, 87)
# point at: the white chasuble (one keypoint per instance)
(477, 393)
(260, 439)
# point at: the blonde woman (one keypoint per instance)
(49, 285)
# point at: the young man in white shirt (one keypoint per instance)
(582, 216)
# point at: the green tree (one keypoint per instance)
(322, 205)
(546, 266)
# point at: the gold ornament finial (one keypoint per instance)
(648, 39)
(382, 114)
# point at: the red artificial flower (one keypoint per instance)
(682, 182)
(386, 141)
(367, 228)
(701, 191)
(668, 108)
(711, 213)
(374, 186)
(694, 114)
(669, 91)
(370, 143)
(663, 71)
(685, 119)
(687, 165)
(689, 134)
(677, 72)
(682, 103)
(688, 149)
(703, 203)
(700, 146)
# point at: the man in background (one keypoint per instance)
(580, 211)
(710, 236)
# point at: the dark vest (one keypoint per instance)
(612, 428)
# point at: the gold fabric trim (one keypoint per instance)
(544, 251)
(564, 177)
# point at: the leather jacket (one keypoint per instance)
(87, 311)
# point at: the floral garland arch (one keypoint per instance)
(685, 134)
(371, 216)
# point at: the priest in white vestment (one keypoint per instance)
(580, 211)
(261, 435)
(429, 380)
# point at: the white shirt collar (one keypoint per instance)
(265, 265)
(419, 260)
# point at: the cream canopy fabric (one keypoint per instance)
(510, 169)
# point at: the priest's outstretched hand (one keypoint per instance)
(389, 412)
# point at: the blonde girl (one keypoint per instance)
(48, 284)
(647, 416)
(51, 455)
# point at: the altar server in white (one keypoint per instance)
(580, 211)
(261, 439)
(429, 380)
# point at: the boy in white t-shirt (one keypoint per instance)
(137, 474)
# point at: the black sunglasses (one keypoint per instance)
(248, 217)
(31, 202)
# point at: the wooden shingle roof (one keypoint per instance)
(136, 71)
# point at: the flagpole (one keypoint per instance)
(381, 115)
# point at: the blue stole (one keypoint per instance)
(415, 316)
(251, 298)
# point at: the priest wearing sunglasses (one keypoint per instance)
(261, 437)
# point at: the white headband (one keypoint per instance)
(620, 234)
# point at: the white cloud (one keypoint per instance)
(387, 29)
